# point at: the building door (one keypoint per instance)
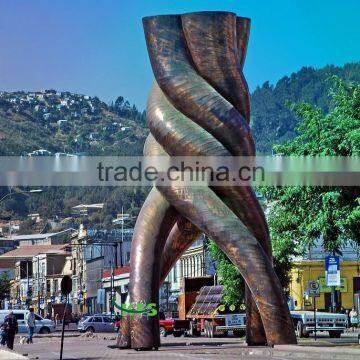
(356, 285)
(337, 301)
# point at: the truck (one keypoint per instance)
(201, 311)
(304, 323)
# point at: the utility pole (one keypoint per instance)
(122, 236)
(116, 255)
(112, 291)
(28, 283)
(10, 229)
(38, 282)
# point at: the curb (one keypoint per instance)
(10, 355)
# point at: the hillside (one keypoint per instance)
(72, 123)
(62, 122)
(272, 121)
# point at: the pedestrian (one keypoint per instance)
(30, 323)
(11, 329)
(3, 329)
(56, 319)
(353, 319)
(348, 318)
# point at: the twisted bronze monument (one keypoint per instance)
(199, 106)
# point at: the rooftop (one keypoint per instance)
(29, 251)
(88, 206)
(35, 236)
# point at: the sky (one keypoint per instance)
(97, 47)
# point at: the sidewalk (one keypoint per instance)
(10, 355)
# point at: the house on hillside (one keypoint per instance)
(86, 209)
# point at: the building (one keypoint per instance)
(10, 227)
(61, 237)
(23, 281)
(312, 266)
(78, 271)
(116, 285)
(121, 219)
(195, 262)
(7, 244)
(21, 260)
(48, 271)
(105, 249)
(27, 252)
(86, 209)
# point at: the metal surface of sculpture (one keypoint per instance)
(199, 106)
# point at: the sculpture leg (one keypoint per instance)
(154, 223)
(124, 337)
(181, 237)
(216, 220)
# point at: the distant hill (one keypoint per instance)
(271, 120)
(64, 122)
(73, 123)
(60, 123)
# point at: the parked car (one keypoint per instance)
(96, 323)
(42, 326)
(166, 325)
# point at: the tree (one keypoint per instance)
(301, 215)
(4, 286)
(229, 276)
(274, 122)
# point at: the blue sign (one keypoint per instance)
(101, 297)
(111, 235)
(332, 270)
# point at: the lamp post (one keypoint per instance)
(18, 192)
(22, 192)
(9, 195)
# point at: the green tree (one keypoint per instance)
(229, 276)
(300, 215)
(4, 286)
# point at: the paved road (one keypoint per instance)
(190, 348)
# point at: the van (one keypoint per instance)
(42, 326)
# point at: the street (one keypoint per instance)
(81, 347)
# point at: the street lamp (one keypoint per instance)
(24, 192)
(19, 192)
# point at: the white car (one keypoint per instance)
(42, 326)
(304, 323)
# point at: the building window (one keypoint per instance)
(175, 273)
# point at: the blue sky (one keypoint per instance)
(97, 47)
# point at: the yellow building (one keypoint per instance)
(304, 270)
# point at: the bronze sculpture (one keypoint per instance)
(199, 106)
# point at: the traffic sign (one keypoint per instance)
(332, 271)
(66, 285)
(313, 288)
